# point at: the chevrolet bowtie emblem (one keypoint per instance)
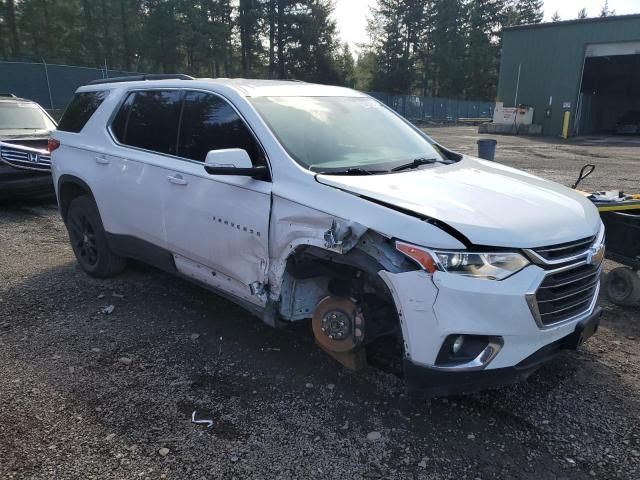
(596, 255)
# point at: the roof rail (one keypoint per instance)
(9, 95)
(139, 78)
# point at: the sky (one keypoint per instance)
(352, 14)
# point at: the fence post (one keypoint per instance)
(46, 74)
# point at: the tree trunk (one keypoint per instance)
(228, 29)
(272, 38)
(282, 67)
(91, 38)
(47, 33)
(243, 19)
(126, 38)
(3, 42)
(106, 39)
(13, 28)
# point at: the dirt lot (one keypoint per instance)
(85, 394)
(617, 159)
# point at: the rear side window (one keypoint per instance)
(149, 120)
(210, 123)
(82, 107)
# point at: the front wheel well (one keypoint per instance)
(70, 188)
(316, 276)
(317, 273)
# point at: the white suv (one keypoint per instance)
(303, 201)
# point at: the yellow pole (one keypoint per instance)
(565, 125)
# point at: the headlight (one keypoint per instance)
(487, 265)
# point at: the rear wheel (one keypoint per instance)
(89, 241)
(623, 286)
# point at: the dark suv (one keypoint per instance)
(25, 161)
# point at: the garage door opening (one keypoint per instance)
(610, 91)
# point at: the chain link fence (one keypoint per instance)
(52, 86)
(435, 109)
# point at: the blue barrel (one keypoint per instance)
(487, 148)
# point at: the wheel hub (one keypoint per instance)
(336, 325)
(83, 236)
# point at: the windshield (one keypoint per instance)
(24, 116)
(326, 134)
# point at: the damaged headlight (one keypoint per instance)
(486, 265)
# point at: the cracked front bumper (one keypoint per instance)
(429, 382)
(433, 307)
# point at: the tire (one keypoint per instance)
(89, 240)
(623, 287)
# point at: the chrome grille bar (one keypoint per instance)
(25, 157)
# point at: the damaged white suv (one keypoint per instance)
(303, 201)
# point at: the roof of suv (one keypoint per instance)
(245, 87)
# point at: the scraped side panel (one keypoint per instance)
(219, 281)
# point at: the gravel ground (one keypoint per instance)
(616, 158)
(92, 395)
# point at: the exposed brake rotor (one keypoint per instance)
(338, 327)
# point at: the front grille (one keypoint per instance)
(26, 159)
(568, 293)
(564, 250)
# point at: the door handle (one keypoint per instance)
(102, 160)
(177, 180)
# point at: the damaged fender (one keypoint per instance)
(294, 225)
(414, 295)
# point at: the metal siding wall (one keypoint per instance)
(552, 59)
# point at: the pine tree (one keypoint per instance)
(423, 46)
(485, 21)
(257, 38)
(162, 37)
(582, 14)
(387, 27)
(366, 65)
(605, 12)
(48, 31)
(346, 66)
(251, 15)
(449, 51)
(12, 27)
(311, 42)
(529, 11)
(556, 17)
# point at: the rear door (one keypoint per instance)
(146, 131)
(217, 225)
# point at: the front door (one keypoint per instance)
(217, 226)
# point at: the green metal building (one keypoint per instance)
(589, 68)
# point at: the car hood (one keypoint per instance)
(20, 134)
(490, 204)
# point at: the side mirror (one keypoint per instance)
(233, 161)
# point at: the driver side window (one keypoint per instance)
(210, 123)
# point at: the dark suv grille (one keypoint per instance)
(564, 250)
(568, 293)
(26, 159)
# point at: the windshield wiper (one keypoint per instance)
(352, 171)
(418, 162)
